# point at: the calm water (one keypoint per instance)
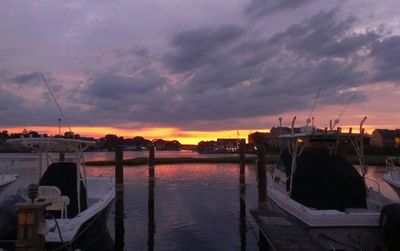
(89, 156)
(196, 206)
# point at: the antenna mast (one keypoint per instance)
(58, 106)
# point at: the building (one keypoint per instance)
(256, 138)
(270, 139)
(227, 145)
(385, 138)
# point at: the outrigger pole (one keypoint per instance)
(293, 151)
(358, 145)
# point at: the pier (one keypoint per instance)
(281, 234)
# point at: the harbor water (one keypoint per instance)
(196, 206)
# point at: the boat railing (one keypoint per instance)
(375, 182)
(9, 166)
(392, 163)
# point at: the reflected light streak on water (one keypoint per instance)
(197, 207)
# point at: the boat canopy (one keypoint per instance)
(50, 144)
(323, 135)
(46, 145)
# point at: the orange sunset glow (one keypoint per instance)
(184, 137)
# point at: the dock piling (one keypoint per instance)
(119, 203)
(261, 176)
(61, 156)
(242, 157)
(151, 160)
(242, 203)
(151, 226)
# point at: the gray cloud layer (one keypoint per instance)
(260, 8)
(217, 74)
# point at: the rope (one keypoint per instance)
(59, 232)
(82, 232)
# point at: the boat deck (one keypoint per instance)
(281, 234)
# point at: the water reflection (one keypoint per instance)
(242, 213)
(375, 180)
(197, 205)
(151, 226)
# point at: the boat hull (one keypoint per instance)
(336, 237)
(92, 235)
(7, 179)
(393, 179)
(331, 229)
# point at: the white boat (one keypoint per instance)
(8, 177)
(324, 193)
(79, 205)
(392, 176)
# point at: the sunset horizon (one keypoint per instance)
(212, 125)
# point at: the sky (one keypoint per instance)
(193, 70)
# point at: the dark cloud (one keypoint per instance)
(113, 86)
(386, 57)
(259, 8)
(26, 78)
(196, 48)
(324, 36)
(10, 77)
(256, 77)
(9, 101)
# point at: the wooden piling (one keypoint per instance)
(119, 203)
(151, 226)
(61, 156)
(262, 242)
(242, 151)
(261, 176)
(151, 160)
(242, 212)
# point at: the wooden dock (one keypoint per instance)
(281, 234)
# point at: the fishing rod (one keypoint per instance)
(55, 101)
(313, 108)
(341, 113)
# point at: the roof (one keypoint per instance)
(53, 144)
(323, 135)
(387, 133)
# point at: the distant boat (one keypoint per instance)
(392, 175)
(325, 194)
(79, 205)
(8, 178)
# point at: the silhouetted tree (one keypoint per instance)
(111, 141)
